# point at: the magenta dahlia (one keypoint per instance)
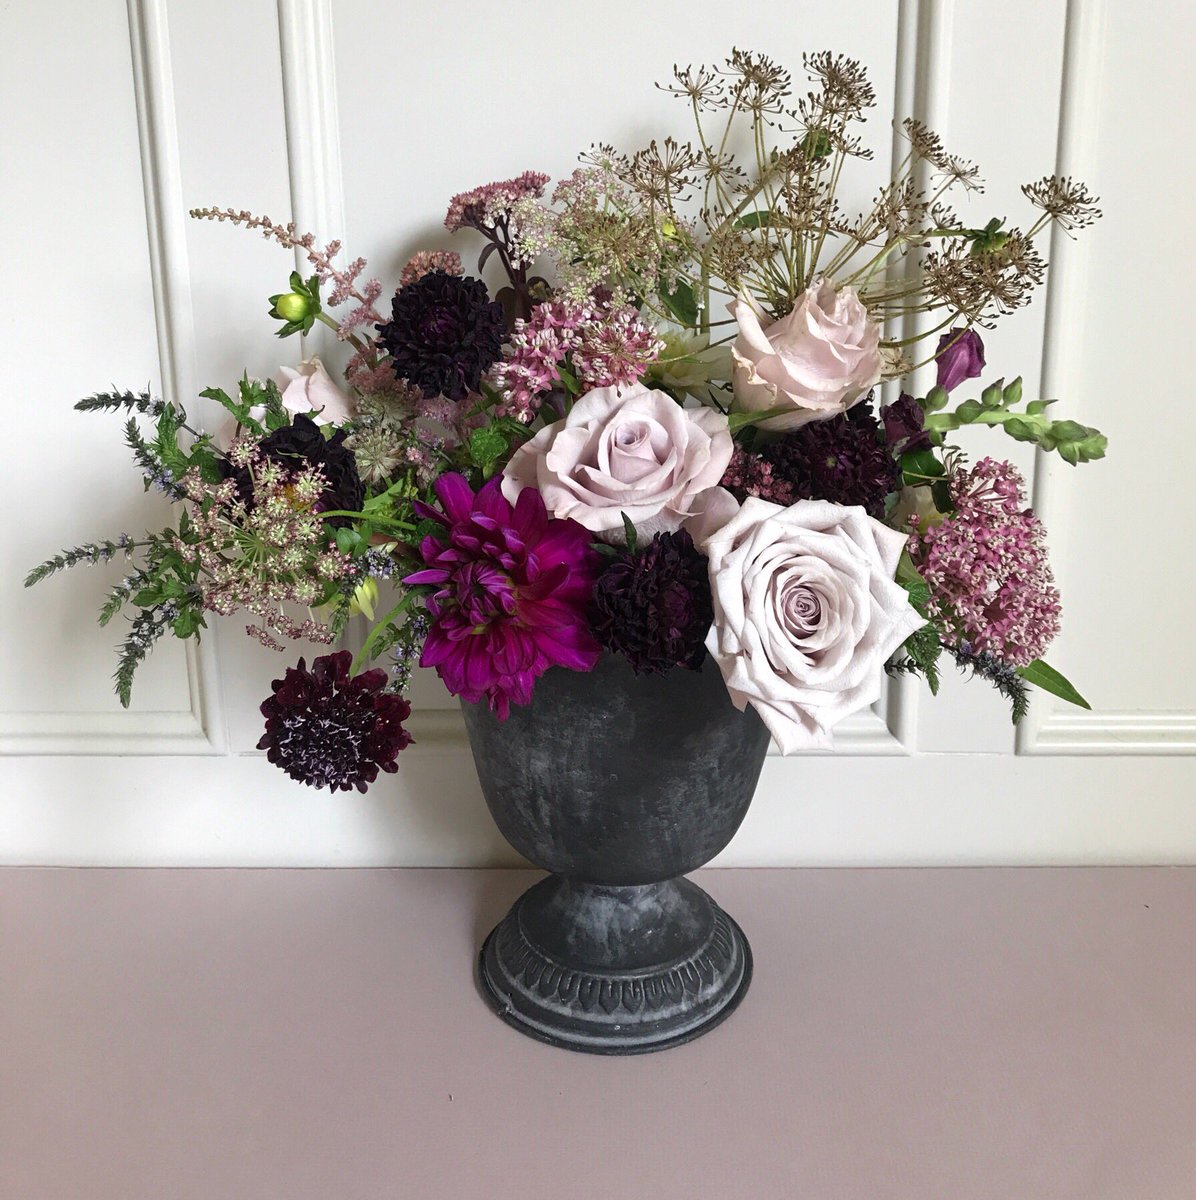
(513, 586)
(326, 729)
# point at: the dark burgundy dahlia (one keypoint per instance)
(444, 334)
(844, 460)
(326, 729)
(302, 444)
(654, 608)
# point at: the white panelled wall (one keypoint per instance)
(359, 118)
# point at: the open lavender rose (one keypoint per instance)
(806, 613)
(818, 360)
(626, 450)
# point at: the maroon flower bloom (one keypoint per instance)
(904, 424)
(960, 356)
(655, 608)
(326, 729)
(513, 586)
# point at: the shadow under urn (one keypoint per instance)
(619, 785)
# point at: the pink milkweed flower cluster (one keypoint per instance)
(991, 587)
(604, 346)
(513, 586)
(481, 205)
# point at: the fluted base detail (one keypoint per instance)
(615, 970)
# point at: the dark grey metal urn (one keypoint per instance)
(618, 785)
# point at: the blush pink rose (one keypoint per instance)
(628, 450)
(817, 361)
(311, 390)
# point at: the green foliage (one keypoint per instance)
(1044, 676)
(486, 446)
(681, 302)
(139, 402)
(630, 532)
(1074, 442)
(923, 647)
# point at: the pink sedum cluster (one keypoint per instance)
(986, 566)
(606, 347)
(424, 261)
(481, 205)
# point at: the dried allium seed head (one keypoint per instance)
(1065, 199)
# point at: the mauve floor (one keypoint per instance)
(315, 1035)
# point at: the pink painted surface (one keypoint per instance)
(953, 1034)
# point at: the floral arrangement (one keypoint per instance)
(661, 436)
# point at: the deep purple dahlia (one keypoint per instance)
(326, 729)
(654, 608)
(303, 444)
(444, 334)
(844, 460)
(512, 589)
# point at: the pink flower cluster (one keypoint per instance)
(991, 587)
(750, 474)
(424, 261)
(480, 205)
(605, 347)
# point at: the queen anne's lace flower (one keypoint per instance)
(991, 587)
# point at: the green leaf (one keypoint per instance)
(681, 302)
(1044, 676)
(571, 382)
(760, 219)
(486, 445)
(630, 531)
(921, 464)
(187, 623)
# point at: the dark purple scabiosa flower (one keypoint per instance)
(960, 356)
(904, 423)
(326, 729)
(844, 460)
(444, 334)
(512, 589)
(654, 608)
(302, 444)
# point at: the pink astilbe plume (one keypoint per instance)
(344, 280)
(513, 586)
(604, 347)
(991, 587)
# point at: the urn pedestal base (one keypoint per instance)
(615, 970)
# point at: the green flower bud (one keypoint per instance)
(292, 307)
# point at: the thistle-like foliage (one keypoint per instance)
(1002, 675)
(138, 402)
(91, 553)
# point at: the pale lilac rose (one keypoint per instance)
(628, 450)
(310, 389)
(806, 613)
(818, 360)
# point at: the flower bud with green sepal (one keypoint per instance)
(298, 308)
